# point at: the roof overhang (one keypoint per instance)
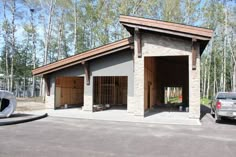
(202, 35)
(85, 56)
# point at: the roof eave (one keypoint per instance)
(201, 34)
(137, 21)
(70, 61)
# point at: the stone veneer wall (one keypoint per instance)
(159, 45)
(195, 97)
(88, 96)
(49, 101)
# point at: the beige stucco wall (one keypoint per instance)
(159, 45)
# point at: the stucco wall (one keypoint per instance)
(117, 64)
(76, 70)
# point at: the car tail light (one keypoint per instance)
(218, 105)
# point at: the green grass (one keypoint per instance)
(205, 101)
(174, 100)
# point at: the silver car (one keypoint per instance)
(224, 105)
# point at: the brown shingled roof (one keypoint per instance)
(81, 57)
(165, 27)
(202, 35)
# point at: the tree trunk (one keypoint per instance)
(224, 51)
(49, 31)
(201, 80)
(6, 47)
(168, 94)
(214, 79)
(234, 78)
(209, 70)
(233, 55)
(208, 78)
(204, 78)
(34, 52)
(13, 10)
(47, 41)
(60, 37)
(75, 27)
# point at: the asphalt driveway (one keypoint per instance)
(58, 137)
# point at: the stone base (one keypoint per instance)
(88, 104)
(87, 109)
(49, 102)
(130, 105)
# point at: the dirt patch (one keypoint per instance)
(29, 104)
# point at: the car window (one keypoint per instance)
(226, 96)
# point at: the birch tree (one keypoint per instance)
(6, 28)
(13, 48)
(47, 40)
(75, 46)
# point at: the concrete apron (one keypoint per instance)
(181, 118)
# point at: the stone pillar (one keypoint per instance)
(138, 81)
(88, 96)
(130, 104)
(194, 89)
(49, 101)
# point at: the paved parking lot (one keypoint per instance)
(76, 137)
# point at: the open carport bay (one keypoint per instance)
(163, 74)
(71, 137)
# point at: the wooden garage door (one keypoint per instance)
(70, 90)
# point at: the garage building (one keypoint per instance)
(134, 73)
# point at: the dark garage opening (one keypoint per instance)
(164, 76)
(69, 92)
(110, 92)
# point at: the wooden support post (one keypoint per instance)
(47, 83)
(194, 53)
(86, 72)
(139, 42)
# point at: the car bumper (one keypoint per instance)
(231, 114)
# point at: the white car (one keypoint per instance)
(7, 103)
(224, 105)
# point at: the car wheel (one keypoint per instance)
(217, 118)
(212, 112)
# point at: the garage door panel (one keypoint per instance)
(71, 91)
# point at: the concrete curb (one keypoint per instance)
(13, 122)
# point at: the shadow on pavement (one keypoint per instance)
(227, 121)
(204, 110)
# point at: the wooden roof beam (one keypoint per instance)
(195, 53)
(86, 72)
(139, 41)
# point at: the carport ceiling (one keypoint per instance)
(175, 59)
